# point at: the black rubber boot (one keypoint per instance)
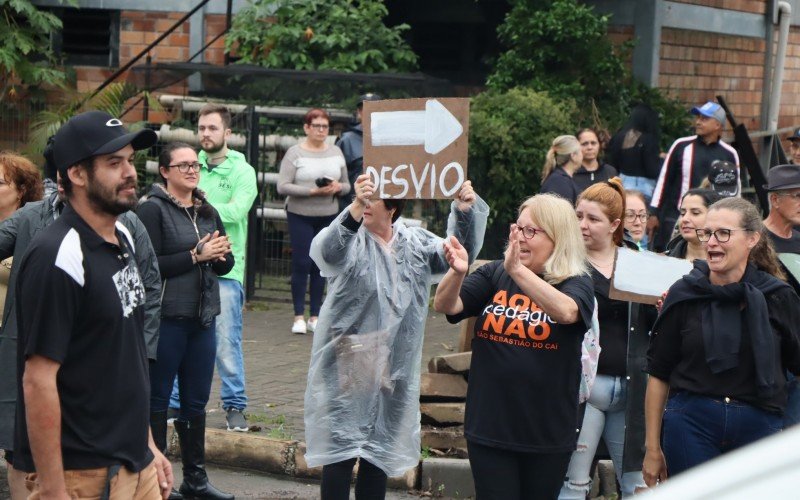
(192, 436)
(158, 426)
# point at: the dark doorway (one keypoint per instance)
(454, 39)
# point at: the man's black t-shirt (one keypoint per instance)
(677, 353)
(613, 318)
(526, 368)
(81, 304)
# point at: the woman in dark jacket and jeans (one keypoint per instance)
(189, 240)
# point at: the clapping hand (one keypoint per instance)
(212, 247)
(456, 255)
(511, 261)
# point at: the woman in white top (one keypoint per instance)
(312, 176)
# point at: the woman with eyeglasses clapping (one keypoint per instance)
(312, 176)
(189, 240)
(720, 348)
(533, 309)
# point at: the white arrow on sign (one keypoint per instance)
(436, 127)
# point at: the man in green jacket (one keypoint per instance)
(230, 186)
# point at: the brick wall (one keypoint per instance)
(753, 6)
(695, 67)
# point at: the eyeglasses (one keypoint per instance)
(722, 235)
(796, 196)
(632, 216)
(184, 166)
(528, 231)
(319, 126)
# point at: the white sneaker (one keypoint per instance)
(311, 325)
(299, 326)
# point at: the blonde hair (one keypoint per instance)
(559, 153)
(557, 217)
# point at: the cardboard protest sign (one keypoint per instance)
(416, 148)
(643, 276)
(791, 261)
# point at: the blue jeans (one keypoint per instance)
(699, 428)
(230, 363)
(604, 418)
(792, 414)
(302, 230)
(186, 349)
(643, 184)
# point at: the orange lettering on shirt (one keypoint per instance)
(501, 298)
(539, 331)
(494, 323)
(516, 328)
(519, 302)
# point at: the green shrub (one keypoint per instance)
(562, 47)
(510, 133)
(342, 35)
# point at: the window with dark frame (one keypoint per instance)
(89, 37)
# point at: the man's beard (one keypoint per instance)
(107, 200)
(214, 148)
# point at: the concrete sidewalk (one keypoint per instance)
(276, 365)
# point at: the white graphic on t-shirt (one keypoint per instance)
(130, 288)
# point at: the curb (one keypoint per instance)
(274, 456)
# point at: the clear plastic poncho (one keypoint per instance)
(362, 397)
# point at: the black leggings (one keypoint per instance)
(370, 482)
(509, 475)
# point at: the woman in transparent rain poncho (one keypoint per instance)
(362, 398)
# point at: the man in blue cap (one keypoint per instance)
(686, 166)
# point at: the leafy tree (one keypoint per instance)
(26, 57)
(510, 133)
(342, 35)
(562, 47)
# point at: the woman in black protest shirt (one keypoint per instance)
(533, 309)
(727, 332)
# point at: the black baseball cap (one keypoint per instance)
(795, 135)
(783, 177)
(724, 178)
(95, 133)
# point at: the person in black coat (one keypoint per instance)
(719, 351)
(189, 240)
(563, 158)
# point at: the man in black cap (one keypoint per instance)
(83, 390)
(783, 185)
(352, 145)
(794, 146)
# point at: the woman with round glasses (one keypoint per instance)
(563, 158)
(719, 351)
(636, 217)
(189, 240)
(533, 309)
(312, 176)
(693, 210)
(618, 390)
